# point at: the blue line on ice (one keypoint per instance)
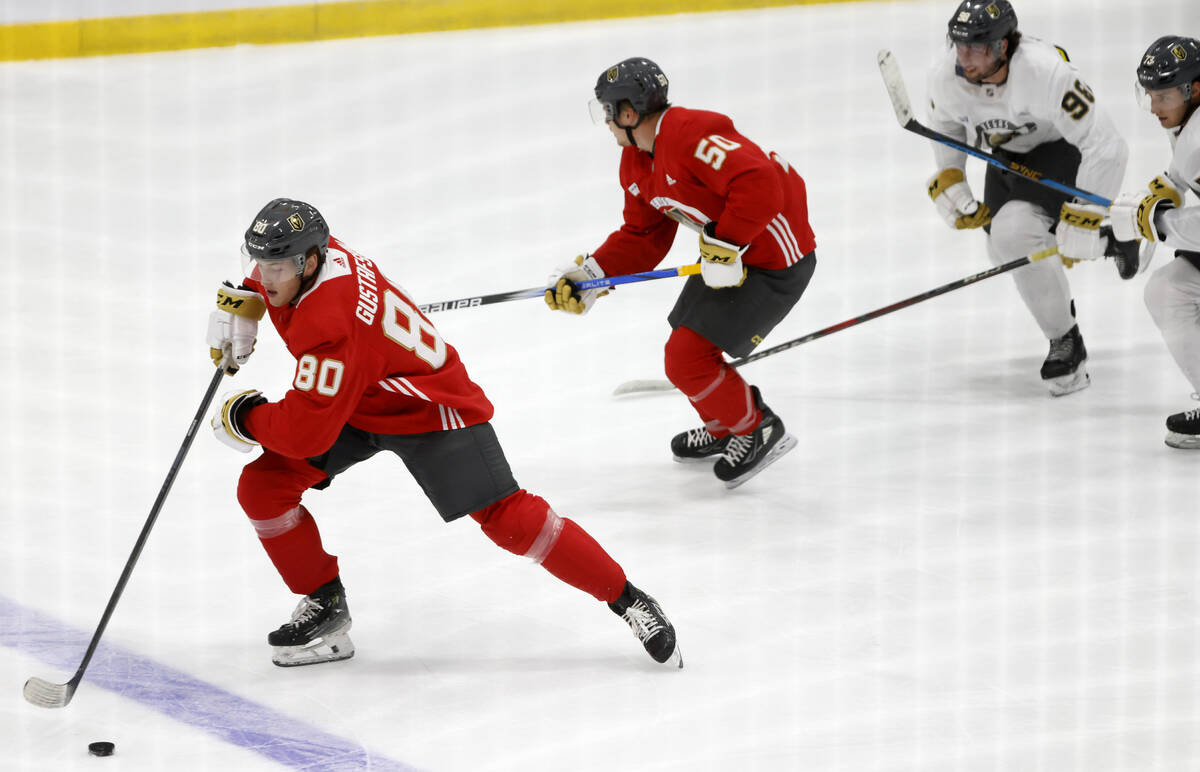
(183, 697)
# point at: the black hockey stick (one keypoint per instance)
(894, 81)
(48, 695)
(537, 292)
(631, 387)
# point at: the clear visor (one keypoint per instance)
(1162, 99)
(990, 49)
(601, 113)
(273, 271)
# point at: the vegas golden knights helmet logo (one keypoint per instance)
(1180, 53)
(993, 11)
(296, 221)
(613, 74)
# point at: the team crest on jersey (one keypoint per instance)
(296, 221)
(998, 132)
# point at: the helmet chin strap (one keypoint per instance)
(306, 283)
(1192, 103)
(629, 130)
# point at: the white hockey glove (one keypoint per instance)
(562, 294)
(1133, 214)
(720, 260)
(1078, 232)
(955, 203)
(233, 326)
(228, 421)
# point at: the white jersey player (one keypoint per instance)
(1022, 100)
(1169, 79)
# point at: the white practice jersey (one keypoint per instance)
(1044, 99)
(1182, 226)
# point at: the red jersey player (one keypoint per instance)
(756, 247)
(373, 374)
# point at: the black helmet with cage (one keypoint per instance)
(638, 81)
(286, 229)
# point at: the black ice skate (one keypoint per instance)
(648, 622)
(1183, 430)
(1064, 371)
(318, 630)
(697, 445)
(748, 454)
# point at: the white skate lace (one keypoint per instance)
(739, 445)
(306, 609)
(641, 620)
(1192, 415)
(698, 437)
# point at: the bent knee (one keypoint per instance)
(522, 523)
(1020, 228)
(271, 485)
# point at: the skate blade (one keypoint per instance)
(1069, 384)
(1183, 441)
(675, 661)
(331, 648)
(685, 460)
(782, 447)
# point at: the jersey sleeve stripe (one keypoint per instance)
(783, 247)
(782, 233)
(413, 389)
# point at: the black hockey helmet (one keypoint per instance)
(638, 80)
(286, 229)
(1171, 61)
(982, 21)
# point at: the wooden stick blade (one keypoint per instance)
(893, 80)
(47, 695)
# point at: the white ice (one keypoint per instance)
(953, 571)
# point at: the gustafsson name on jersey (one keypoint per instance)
(368, 292)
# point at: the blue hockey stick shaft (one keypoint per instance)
(537, 292)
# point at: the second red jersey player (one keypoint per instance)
(757, 255)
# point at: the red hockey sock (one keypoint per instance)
(581, 562)
(524, 524)
(721, 397)
(273, 484)
(293, 543)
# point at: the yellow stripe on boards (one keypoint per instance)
(326, 21)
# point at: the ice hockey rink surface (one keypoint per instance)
(952, 571)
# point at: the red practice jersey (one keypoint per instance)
(702, 169)
(364, 356)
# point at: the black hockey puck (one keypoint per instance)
(101, 748)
